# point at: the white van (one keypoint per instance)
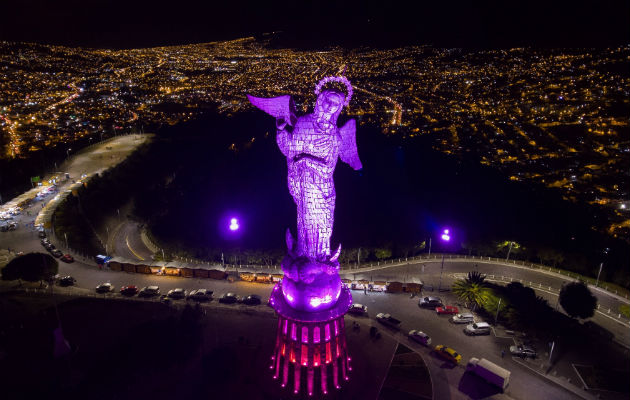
(478, 328)
(489, 371)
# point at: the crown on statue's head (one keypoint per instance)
(340, 79)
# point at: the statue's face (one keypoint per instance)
(329, 105)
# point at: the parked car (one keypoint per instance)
(252, 300)
(430, 302)
(56, 253)
(49, 246)
(41, 234)
(105, 288)
(200, 295)
(357, 308)
(45, 241)
(523, 351)
(388, 320)
(178, 293)
(446, 310)
(149, 291)
(478, 328)
(67, 281)
(463, 319)
(447, 354)
(67, 258)
(128, 290)
(419, 337)
(229, 298)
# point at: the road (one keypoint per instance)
(524, 384)
(128, 244)
(541, 282)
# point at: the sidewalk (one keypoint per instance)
(560, 381)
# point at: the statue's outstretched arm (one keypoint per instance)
(348, 145)
(281, 108)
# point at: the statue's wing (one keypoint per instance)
(281, 107)
(348, 149)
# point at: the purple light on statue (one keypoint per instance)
(234, 224)
(445, 236)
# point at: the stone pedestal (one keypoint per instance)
(310, 352)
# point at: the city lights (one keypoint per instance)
(511, 106)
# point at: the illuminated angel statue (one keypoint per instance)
(312, 143)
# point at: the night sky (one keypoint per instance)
(471, 24)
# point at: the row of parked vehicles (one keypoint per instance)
(180, 294)
(8, 226)
(55, 251)
(485, 369)
(472, 328)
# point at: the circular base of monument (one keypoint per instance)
(282, 307)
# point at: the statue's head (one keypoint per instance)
(330, 101)
(328, 106)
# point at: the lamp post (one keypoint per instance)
(599, 273)
(509, 250)
(606, 250)
(445, 237)
(68, 153)
(496, 316)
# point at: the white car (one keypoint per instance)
(463, 319)
(200, 294)
(420, 337)
(178, 293)
(478, 328)
(149, 291)
(105, 288)
(357, 308)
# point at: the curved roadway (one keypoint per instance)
(545, 284)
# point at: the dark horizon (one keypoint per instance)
(350, 23)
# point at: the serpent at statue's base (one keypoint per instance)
(310, 285)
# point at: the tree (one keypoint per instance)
(382, 254)
(476, 277)
(495, 304)
(472, 289)
(31, 267)
(551, 256)
(577, 300)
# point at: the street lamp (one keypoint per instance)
(446, 237)
(68, 153)
(606, 250)
(509, 251)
